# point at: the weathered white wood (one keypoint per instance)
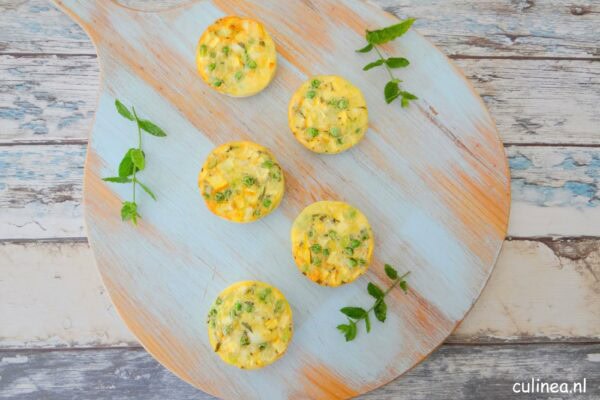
(48, 98)
(453, 372)
(554, 191)
(550, 28)
(57, 300)
(51, 98)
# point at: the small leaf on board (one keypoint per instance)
(126, 166)
(381, 311)
(123, 110)
(373, 65)
(354, 312)
(397, 62)
(138, 159)
(365, 49)
(390, 271)
(151, 128)
(375, 290)
(390, 33)
(146, 189)
(117, 179)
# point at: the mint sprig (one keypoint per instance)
(392, 90)
(379, 308)
(133, 162)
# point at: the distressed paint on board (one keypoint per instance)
(547, 195)
(147, 60)
(519, 28)
(468, 372)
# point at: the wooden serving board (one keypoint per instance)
(432, 179)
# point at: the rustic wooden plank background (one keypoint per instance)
(537, 66)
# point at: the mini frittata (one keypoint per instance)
(241, 181)
(250, 325)
(236, 56)
(332, 243)
(328, 114)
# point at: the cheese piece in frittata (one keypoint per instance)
(236, 56)
(250, 325)
(332, 243)
(328, 114)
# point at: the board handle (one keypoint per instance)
(84, 11)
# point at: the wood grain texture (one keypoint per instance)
(554, 191)
(488, 28)
(457, 372)
(52, 98)
(57, 299)
(451, 182)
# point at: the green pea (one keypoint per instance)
(349, 251)
(212, 66)
(312, 132)
(316, 261)
(362, 261)
(276, 175)
(252, 64)
(262, 346)
(238, 306)
(203, 50)
(339, 140)
(248, 180)
(335, 132)
(316, 248)
(217, 82)
(268, 164)
(315, 83)
(311, 94)
(332, 234)
(228, 329)
(264, 294)
(267, 203)
(354, 243)
(225, 50)
(353, 262)
(325, 252)
(220, 197)
(342, 104)
(218, 301)
(239, 75)
(248, 306)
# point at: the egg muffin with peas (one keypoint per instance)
(250, 325)
(241, 181)
(236, 56)
(328, 114)
(332, 243)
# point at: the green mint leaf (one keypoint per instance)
(351, 333)
(381, 310)
(368, 323)
(354, 312)
(375, 291)
(390, 33)
(391, 91)
(391, 272)
(343, 328)
(404, 286)
(151, 128)
(138, 159)
(129, 212)
(373, 65)
(117, 179)
(408, 96)
(365, 49)
(146, 189)
(126, 165)
(404, 102)
(397, 62)
(124, 111)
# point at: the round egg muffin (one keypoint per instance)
(250, 325)
(328, 114)
(236, 56)
(332, 243)
(241, 181)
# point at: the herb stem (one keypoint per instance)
(134, 180)
(396, 282)
(388, 69)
